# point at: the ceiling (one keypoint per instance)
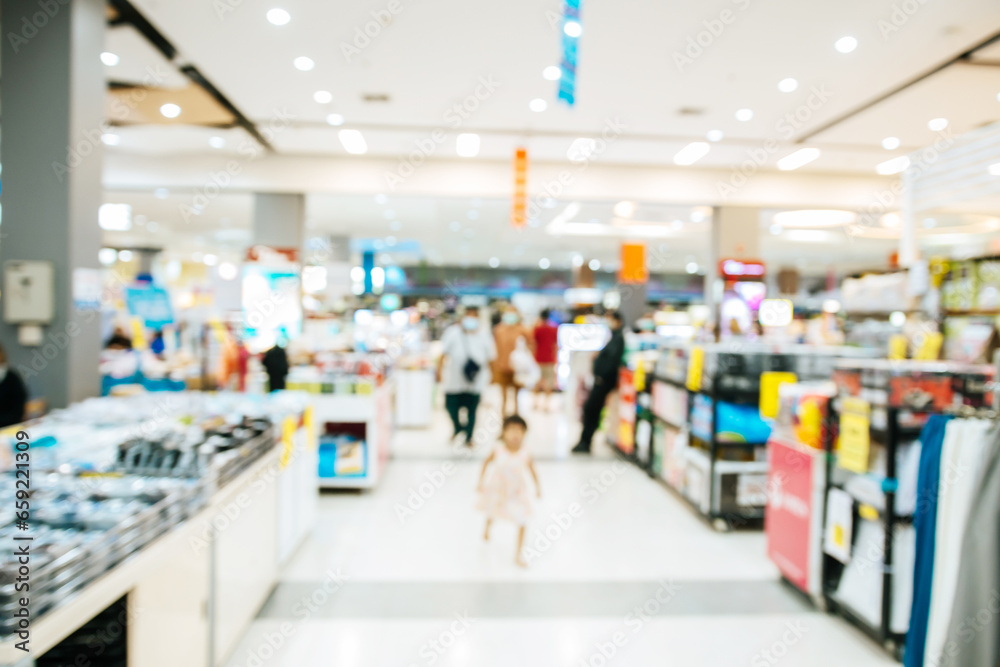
(632, 76)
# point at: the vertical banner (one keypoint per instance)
(634, 263)
(572, 29)
(519, 210)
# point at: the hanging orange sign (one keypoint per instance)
(633, 263)
(519, 210)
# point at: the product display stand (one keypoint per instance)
(366, 417)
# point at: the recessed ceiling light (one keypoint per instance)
(937, 124)
(353, 142)
(111, 139)
(544, 263)
(467, 145)
(335, 119)
(573, 28)
(216, 142)
(228, 271)
(323, 96)
(210, 259)
(110, 59)
(161, 193)
(691, 153)
(107, 256)
(538, 105)
(692, 267)
(170, 110)
(494, 262)
(278, 16)
(814, 219)
(552, 73)
(625, 209)
(890, 143)
(115, 217)
(594, 265)
(714, 135)
(125, 255)
(846, 44)
(577, 259)
(893, 166)
(744, 115)
(798, 159)
(303, 63)
(995, 169)
(788, 85)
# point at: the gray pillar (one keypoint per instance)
(53, 117)
(279, 220)
(633, 305)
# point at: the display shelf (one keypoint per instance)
(367, 416)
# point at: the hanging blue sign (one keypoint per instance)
(572, 28)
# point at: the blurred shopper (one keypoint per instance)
(503, 492)
(13, 394)
(468, 351)
(119, 340)
(158, 346)
(233, 362)
(546, 337)
(275, 363)
(506, 334)
(606, 366)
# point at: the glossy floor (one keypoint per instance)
(401, 575)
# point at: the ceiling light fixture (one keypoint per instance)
(278, 16)
(692, 267)
(335, 119)
(467, 145)
(893, 166)
(594, 265)
(228, 271)
(216, 142)
(210, 260)
(115, 217)
(994, 169)
(353, 142)
(937, 124)
(890, 143)
(714, 135)
(552, 73)
(323, 96)
(846, 44)
(581, 149)
(799, 158)
(572, 28)
(814, 219)
(170, 110)
(544, 263)
(494, 262)
(691, 153)
(303, 63)
(538, 105)
(111, 139)
(625, 209)
(788, 85)
(107, 256)
(743, 115)
(125, 255)
(110, 59)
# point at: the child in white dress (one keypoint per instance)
(503, 492)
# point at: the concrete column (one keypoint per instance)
(53, 116)
(279, 220)
(736, 235)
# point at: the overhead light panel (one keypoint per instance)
(278, 16)
(714, 135)
(115, 217)
(691, 153)
(995, 169)
(890, 143)
(353, 142)
(552, 73)
(581, 149)
(538, 105)
(625, 209)
(814, 218)
(893, 166)
(323, 96)
(494, 262)
(110, 59)
(303, 63)
(594, 265)
(111, 139)
(573, 28)
(744, 115)
(788, 85)
(798, 159)
(467, 145)
(216, 142)
(846, 44)
(335, 119)
(170, 110)
(937, 124)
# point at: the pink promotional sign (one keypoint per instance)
(789, 513)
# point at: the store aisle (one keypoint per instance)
(621, 572)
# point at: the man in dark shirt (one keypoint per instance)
(606, 367)
(13, 394)
(275, 362)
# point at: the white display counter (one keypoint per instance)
(206, 579)
(366, 416)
